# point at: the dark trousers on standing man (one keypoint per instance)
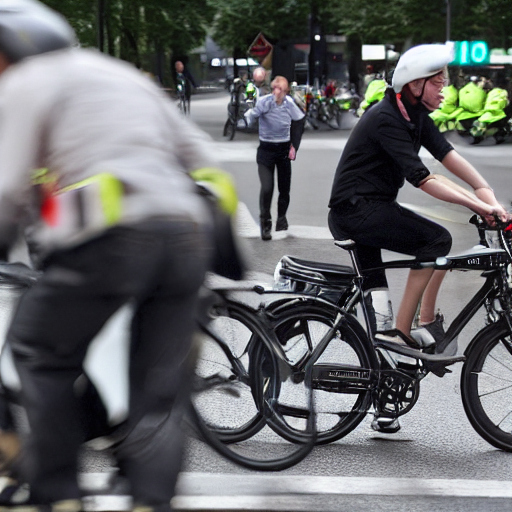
(270, 156)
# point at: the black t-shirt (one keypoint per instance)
(382, 152)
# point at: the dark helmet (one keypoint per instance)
(28, 27)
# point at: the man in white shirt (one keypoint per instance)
(279, 142)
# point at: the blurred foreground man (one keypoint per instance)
(116, 219)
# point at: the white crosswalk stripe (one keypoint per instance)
(247, 227)
(214, 491)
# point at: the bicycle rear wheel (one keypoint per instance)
(342, 377)
(486, 385)
(230, 394)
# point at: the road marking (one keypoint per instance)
(229, 492)
(247, 227)
(213, 484)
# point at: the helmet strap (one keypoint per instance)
(401, 107)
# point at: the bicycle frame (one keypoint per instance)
(346, 285)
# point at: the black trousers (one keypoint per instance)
(158, 266)
(269, 157)
(376, 225)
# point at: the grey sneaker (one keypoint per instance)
(430, 335)
(385, 425)
(397, 337)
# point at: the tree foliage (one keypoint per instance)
(137, 27)
(402, 22)
(133, 28)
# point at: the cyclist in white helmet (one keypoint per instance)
(381, 153)
(119, 221)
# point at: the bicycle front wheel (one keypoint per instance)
(486, 385)
(342, 377)
(230, 394)
(222, 392)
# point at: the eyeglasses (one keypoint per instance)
(438, 82)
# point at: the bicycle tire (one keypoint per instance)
(256, 447)
(486, 383)
(226, 402)
(182, 105)
(229, 129)
(299, 327)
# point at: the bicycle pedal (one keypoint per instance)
(437, 370)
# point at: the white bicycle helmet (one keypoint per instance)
(28, 27)
(421, 61)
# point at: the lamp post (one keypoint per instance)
(448, 19)
(101, 24)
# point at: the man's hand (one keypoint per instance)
(292, 154)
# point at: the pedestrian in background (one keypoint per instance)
(259, 77)
(281, 123)
(184, 75)
(119, 221)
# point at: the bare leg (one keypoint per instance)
(428, 302)
(416, 284)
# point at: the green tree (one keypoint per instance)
(136, 28)
(238, 22)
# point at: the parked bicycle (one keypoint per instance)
(242, 97)
(353, 373)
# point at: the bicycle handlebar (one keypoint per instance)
(480, 223)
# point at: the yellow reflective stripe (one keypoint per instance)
(42, 176)
(222, 184)
(110, 191)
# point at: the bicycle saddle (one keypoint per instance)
(331, 273)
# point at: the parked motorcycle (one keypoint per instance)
(496, 120)
(445, 116)
(347, 101)
(374, 93)
(471, 100)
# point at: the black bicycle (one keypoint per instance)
(230, 400)
(352, 372)
(242, 97)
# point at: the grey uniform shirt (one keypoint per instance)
(79, 113)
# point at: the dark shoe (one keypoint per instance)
(385, 425)
(430, 335)
(281, 224)
(266, 226)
